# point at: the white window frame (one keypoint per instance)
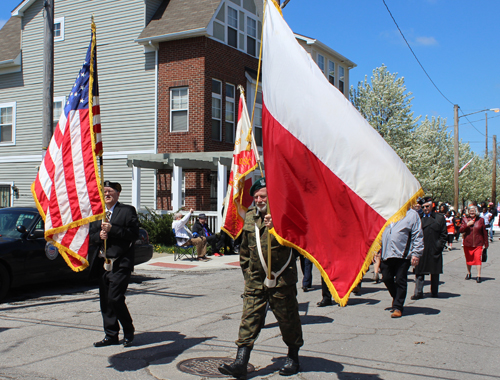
(59, 20)
(13, 106)
(217, 96)
(329, 75)
(234, 121)
(248, 35)
(258, 106)
(180, 109)
(11, 191)
(341, 78)
(320, 59)
(235, 28)
(62, 100)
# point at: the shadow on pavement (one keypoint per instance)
(446, 295)
(307, 364)
(136, 358)
(414, 310)
(356, 300)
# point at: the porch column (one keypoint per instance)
(221, 191)
(176, 188)
(136, 187)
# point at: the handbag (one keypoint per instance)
(484, 255)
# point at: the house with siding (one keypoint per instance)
(169, 73)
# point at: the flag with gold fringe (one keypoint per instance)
(245, 157)
(67, 187)
(333, 182)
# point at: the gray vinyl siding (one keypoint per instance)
(126, 83)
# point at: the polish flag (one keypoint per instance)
(333, 182)
(245, 157)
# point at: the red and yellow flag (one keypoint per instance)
(245, 158)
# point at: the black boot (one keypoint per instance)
(238, 368)
(291, 366)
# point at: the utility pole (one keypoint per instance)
(494, 184)
(486, 151)
(48, 75)
(455, 200)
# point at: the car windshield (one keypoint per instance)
(10, 219)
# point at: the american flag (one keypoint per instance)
(66, 189)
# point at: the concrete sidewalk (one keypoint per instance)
(165, 261)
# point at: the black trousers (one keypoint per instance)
(112, 288)
(419, 284)
(325, 292)
(307, 266)
(395, 277)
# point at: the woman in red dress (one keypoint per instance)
(475, 239)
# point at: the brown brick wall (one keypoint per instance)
(193, 63)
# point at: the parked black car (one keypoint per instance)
(26, 258)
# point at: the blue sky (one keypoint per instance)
(455, 40)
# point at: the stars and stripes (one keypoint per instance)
(66, 189)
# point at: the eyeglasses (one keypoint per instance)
(426, 206)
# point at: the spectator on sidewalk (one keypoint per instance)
(202, 229)
(185, 237)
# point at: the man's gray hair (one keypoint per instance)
(178, 215)
(474, 207)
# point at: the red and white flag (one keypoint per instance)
(467, 164)
(333, 182)
(66, 188)
(245, 159)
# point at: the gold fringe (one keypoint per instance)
(375, 247)
(64, 251)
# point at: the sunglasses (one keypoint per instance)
(426, 206)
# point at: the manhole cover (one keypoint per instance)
(206, 367)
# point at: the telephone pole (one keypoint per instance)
(455, 182)
(494, 175)
(48, 75)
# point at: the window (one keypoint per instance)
(58, 108)
(7, 123)
(251, 36)
(232, 27)
(230, 113)
(341, 79)
(216, 110)
(5, 196)
(59, 29)
(321, 62)
(331, 72)
(179, 107)
(257, 119)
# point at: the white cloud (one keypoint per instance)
(426, 41)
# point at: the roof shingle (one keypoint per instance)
(10, 39)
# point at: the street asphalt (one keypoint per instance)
(187, 314)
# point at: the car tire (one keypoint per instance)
(4, 281)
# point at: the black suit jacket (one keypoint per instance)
(435, 238)
(121, 238)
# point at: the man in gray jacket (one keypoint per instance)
(402, 246)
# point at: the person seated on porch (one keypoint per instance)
(185, 237)
(202, 229)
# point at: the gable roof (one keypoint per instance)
(179, 17)
(10, 40)
(317, 43)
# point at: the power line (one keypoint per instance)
(388, 10)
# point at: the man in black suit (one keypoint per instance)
(435, 239)
(119, 231)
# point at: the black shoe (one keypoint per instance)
(468, 277)
(106, 342)
(434, 295)
(291, 366)
(127, 341)
(417, 297)
(325, 302)
(238, 368)
(307, 288)
(478, 280)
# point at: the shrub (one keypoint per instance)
(159, 227)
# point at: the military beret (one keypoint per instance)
(257, 185)
(113, 185)
(423, 200)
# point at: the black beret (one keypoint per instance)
(423, 200)
(113, 185)
(257, 185)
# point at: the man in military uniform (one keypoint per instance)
(281, 295)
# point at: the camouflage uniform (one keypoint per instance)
(282, 299)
